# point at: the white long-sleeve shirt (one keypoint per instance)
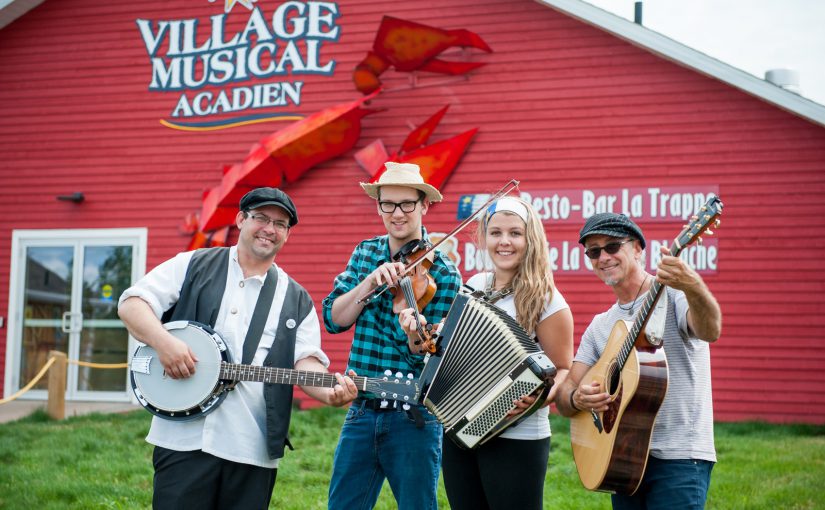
(236, 429)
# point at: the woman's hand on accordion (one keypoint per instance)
(522, 404)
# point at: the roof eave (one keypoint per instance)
(10, 10)
(685, 56)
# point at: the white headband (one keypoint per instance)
(508, 204)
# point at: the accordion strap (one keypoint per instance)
(491, 296)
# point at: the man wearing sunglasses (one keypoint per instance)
(383, 439)
(682, 451)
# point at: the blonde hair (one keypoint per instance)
(533, 281)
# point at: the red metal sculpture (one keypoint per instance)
(408, 46)
(284, 156)
(437, 160)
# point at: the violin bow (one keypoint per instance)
(507, 188)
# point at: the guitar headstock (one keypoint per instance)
(394, 387)
(701, 222)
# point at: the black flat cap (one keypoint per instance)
(260, 197)
(613, 225)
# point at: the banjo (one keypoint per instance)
(196, 396)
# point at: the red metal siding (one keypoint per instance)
(560, 105)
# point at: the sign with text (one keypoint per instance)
(651, 204)
(568, 256)
(224, 76)
(655, 204)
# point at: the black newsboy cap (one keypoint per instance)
(613, 225)
(260, 197)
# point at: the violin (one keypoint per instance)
(419, 254)
(419, 277)
(417, 287)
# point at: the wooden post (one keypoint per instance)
(56, 406)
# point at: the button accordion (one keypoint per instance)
(484, 361)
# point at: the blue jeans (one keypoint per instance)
(668, 485)
(375, 445)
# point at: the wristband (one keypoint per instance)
(572, 403)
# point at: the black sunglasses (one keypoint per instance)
(611, 248)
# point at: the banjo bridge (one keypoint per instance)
(140, 364)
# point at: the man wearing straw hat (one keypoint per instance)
(383, 439)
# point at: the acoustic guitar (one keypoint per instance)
(611, 448)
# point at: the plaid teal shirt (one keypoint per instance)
(379, 343)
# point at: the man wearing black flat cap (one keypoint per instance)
(682, 452)
(229, 457)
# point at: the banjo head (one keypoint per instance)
(181, 399)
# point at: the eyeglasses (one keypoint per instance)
(406, 206)
(262, 220)
(611, 248)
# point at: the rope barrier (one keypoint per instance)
(48, 365)
(34, 381)
(97, 365)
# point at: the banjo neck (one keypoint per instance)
(196, 396)
(274, 375)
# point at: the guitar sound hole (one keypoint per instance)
(613, 381)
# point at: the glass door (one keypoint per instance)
(47, 304)
(67, 301)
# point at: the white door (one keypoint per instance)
(64, 290)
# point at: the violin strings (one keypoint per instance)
(406, 287)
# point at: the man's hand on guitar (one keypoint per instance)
(344, 392)
(177, 358)
(675, 273)
(590, 396)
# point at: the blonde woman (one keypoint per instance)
(508, 471)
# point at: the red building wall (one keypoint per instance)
(560, 105)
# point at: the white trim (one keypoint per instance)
(685, 56)
(137, 237)
(10, 10)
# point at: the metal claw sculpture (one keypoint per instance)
(408, 46)
(199, 238)
(284, 156)
(437, 160)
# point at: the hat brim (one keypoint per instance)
(431, 193)
(611, 233)
(293, 218)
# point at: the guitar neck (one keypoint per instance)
(236, 372)
(644, 313)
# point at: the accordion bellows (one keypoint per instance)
(484, 361)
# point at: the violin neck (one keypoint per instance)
(507, 188)
(405, 284)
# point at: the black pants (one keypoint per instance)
(201, 481)
(500, 475)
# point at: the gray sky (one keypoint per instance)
(752, 35)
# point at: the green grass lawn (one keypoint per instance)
(102, 461)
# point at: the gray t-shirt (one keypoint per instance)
(684, 425)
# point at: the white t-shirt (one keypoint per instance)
(236, 429)
(684, 425)
(537, 425)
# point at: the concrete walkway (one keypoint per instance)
(19, 408)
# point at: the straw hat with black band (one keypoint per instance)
(402, 174)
